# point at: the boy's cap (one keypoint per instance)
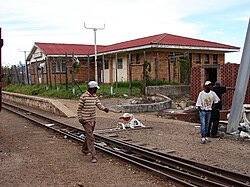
(93, 84)
(207, 83)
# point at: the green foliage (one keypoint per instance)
(147, 66)
(185, 70)
(122, 89)
(124, 84)
(159, 82)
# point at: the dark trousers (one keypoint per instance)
(214, 123)
(88, 144)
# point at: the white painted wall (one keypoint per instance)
(106, 75)
(121, 73)
(38, 56)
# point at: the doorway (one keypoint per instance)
(211, 74)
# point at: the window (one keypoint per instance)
(206, 58)
(106, 64)
(131, 59)
(137, 59)
(197, 58)
(53, 67)
(63, 67)
(119, 63)
(58, 67)
(215, 58)
(171, 57)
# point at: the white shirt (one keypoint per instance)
(205, 100)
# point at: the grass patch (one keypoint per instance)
(121, 89)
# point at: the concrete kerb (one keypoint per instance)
(45, 104)
(56, 107)
(151, 107)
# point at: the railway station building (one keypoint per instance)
(164, 56)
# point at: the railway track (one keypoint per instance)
(180, 171)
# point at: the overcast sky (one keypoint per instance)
(25, 22)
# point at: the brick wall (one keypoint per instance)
(80, 74)
(229, 77)
(226, 75)
(196, 83)
(159, 67)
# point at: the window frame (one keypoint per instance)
(58, 67)
(215, 58)
(119, 63)
(206, 58)
(197, 58)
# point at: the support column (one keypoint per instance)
(241, 86)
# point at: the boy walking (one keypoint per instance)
(205, 102)
(86, 112)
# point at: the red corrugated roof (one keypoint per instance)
(160, 39)
(166, 39)
(62, 49)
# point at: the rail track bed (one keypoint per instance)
(180, 171)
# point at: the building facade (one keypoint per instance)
(160, 57)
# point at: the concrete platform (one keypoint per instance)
(46, 104)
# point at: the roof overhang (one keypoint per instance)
(169, 47)
(68, 55)
(157, 46)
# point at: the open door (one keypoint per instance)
(211, 74)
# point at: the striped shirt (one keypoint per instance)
(86, 110)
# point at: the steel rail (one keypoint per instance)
(176, 164)
(107, 150)
(152, 155)
(237, 176)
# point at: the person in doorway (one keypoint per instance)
(205, 101)
(86, 113)
(215, 115)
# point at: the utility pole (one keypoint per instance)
(26, 66)
(95, 29)
(1, 84)
(241, 86)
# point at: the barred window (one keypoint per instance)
(137, 59)
(206, 58)
(215, 58)
(119, 63)
(197, 58)
(131, 59)
(53, 67)
(58, 67)
(106, 64)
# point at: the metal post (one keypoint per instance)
(144, 74)
(96, 74)
(88, 68)
(116, 74)
(1, 84)
(95, 29)
(130, 73)
(73, 78)
(241, 86)
(103, 67)
(26, 66)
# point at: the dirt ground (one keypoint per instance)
(33, 156)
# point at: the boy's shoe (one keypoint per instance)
(85, 152)
(207, 140)
(94, 160)
(203, 140)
